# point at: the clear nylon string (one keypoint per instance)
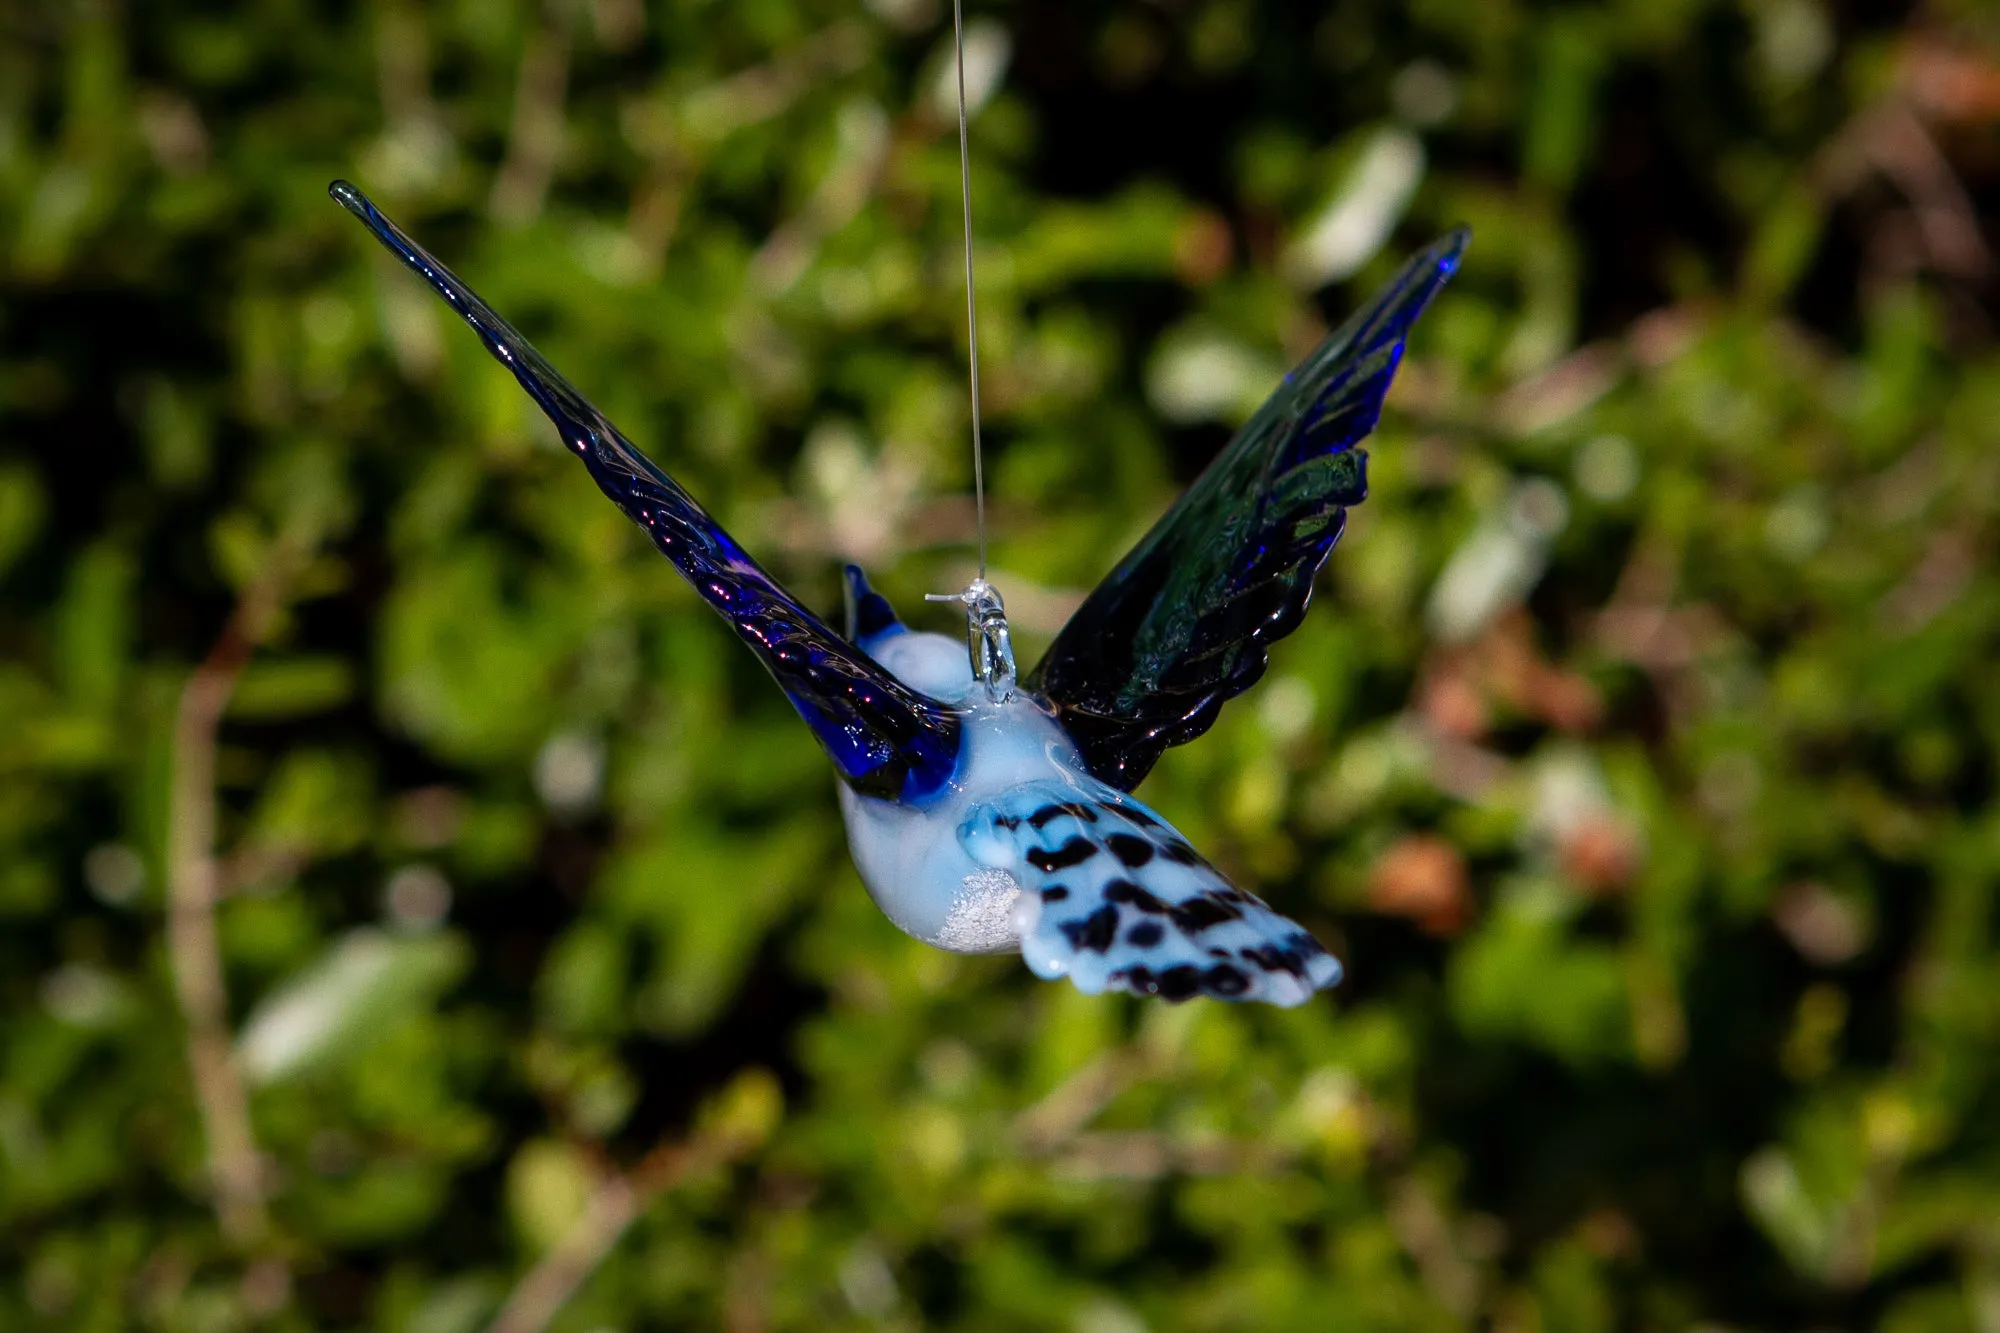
(971, 303)
(986, 635)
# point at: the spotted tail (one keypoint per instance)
(1114, 898)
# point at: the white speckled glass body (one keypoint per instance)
(910, 856)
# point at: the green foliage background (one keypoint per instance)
(1639, 756)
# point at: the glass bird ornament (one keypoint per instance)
(986, 815)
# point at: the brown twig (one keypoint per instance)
(1062, 1115)
(613, 1207)
(677, 138)
(192, 889)
(535, 139)
(1904, 151)
(1890, 140)
(402, 60)
(843, 191)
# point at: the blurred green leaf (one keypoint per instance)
(548, 1187)
(339, 1006)
(292, 688)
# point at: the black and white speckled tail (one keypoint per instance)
(1114, 898)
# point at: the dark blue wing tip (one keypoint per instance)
(350, 197)
(1447, 250)
(1423, 277)
(1441, 257)
(505, 344)
(1371, 344)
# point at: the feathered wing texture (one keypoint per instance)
(1183, 623)
(1113, 898)
(884, 738)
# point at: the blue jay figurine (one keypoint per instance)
(985, 815)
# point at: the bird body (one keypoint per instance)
(909, 853)
(1022, 849)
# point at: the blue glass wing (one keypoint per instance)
(884, 738)
(1183, 623)
(1113, 898)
